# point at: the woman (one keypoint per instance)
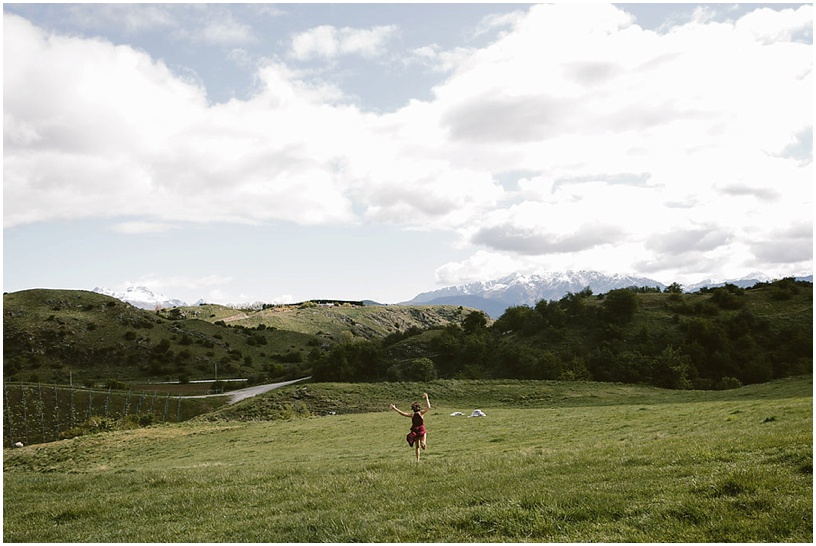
(417, 437)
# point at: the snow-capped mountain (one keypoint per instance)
(494, 297)
(743, 282)
(141, 297)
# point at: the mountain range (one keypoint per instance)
(495, 296)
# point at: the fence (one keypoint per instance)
(35, 413)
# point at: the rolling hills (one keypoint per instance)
(716, 338)
(64, 336)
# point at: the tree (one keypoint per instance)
(671, 369)
(674, 288)
(620, 305)
(728, 297)
(474, 323)
(422, 369)
(517, 318)
(574, 304)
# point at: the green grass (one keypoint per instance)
(574, 464)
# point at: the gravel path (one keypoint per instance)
(241, 394)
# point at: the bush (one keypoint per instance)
(93, 425)
(620, 305)
(97, 424)
(728, 297)
(422, 369)
(727, 383)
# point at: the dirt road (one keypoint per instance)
(241, 394)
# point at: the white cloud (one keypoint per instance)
(480, 266)
(769, 25)
(328, 42)
(169, 284)
(670, 152)
(93, 129)
(193, 23)
(227, 32)
(701, 115)
(141, 227)
(436, 58)
(130, 17)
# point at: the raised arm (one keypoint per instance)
(427, 403)
(393, 407)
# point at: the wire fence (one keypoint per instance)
(37, 413)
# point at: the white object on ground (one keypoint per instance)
(478, 413)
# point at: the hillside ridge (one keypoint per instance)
(495, 296)
(60, 336)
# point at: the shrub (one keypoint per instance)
(620, 305)
(728, 297)
(671, 369)
(97, 424)
(92, 425)
(727, 383)
(422, 369)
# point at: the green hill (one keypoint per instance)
(715, 338)
(81, 337)
(329, 320)
(718, 338)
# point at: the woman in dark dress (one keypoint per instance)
(418, 437)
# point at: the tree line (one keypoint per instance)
(708, 340)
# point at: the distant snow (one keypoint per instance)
(141, 297)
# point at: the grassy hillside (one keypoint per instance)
(551, 462)
(715, 339)
(365, 322)
(712, 339)
(349, 398)
(62, 336)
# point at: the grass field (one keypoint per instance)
(552, 461)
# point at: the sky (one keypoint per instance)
(284, 152)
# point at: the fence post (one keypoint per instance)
(72, 417)
(9, 418)
(25, 412)
(178, 411)
(166, 405)
(42, 413)
(90, 398)
(127, 403)
(107, 402)
(56, 414)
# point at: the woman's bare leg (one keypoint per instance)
(416, 447)
(424, 441)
